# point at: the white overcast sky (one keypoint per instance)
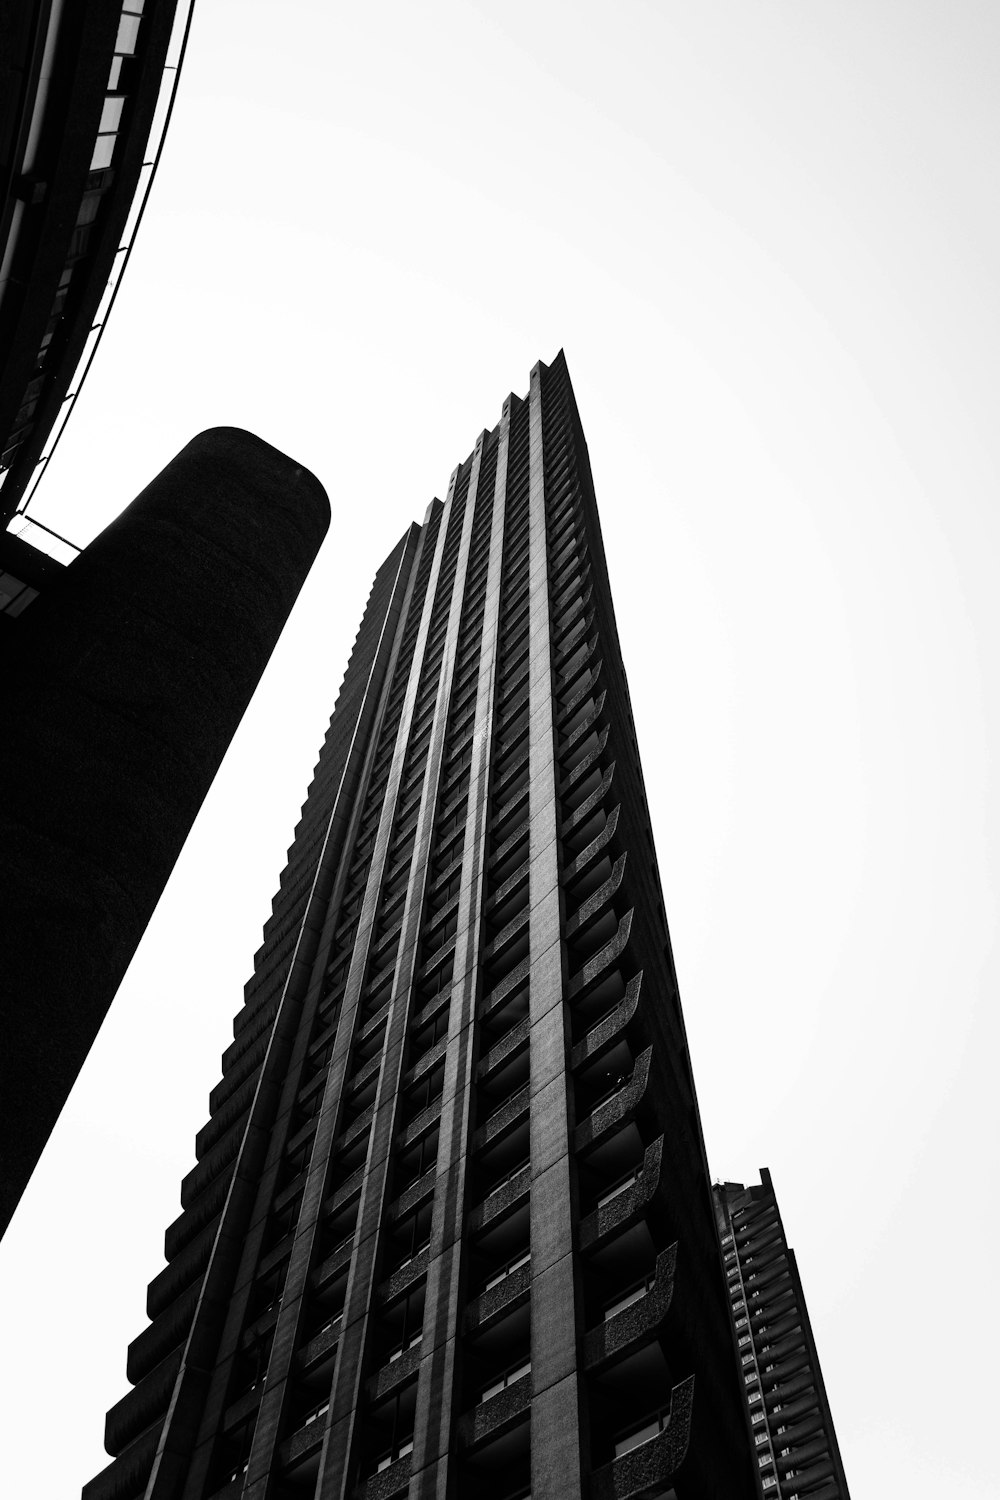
(768, 237)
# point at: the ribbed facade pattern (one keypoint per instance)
(795, 1446)
(450, 1232)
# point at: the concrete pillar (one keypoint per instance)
(123, 684)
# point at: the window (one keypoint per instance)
(419, 1251)
(104, 150)
(635, 1295)
(89, 205)
(401, 1349)
(128, 33)
(649, 1429)
(619, 1187)
(505, 1380)
(391, 1456)
(111, 113)
(507, 1270)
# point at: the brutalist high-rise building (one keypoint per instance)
(450, 1232)
(795, 1445)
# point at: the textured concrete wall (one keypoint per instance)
(123, 686)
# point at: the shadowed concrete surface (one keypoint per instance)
(123, 685)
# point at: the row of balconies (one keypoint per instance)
(509, 1113)
(249, 1045)
(495, 1228)
(496, 1386)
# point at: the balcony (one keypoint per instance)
(651, 1454)
(412, 1197)
(142, 1405)
(593, 903)
(127, 1474)
(503, 1119)
(401, 1365)
(616, 1022)
(502, 1200)
(405, 1274)
(578, 825)
(577, 709)
(509, 944)
(335, 1261)
(358, 1127)
(162, 1336)
(342, 1202)
(324, 1341)
(571, 734)
(506, 987)
(505, 1289)
(509, 1043)
(583, 755)
(618, 1107)
(635, 1317)
(624, 1207)
(596, 964)
(392, 1477)
(500, 1409)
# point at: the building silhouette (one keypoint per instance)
(450, 1231)
(795, 1445)
(125, 673)
(80, 85)
(123, 684)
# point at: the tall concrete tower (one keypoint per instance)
(795, 1445)
(450, 1232)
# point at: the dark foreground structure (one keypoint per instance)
(450, 1232)
(80, 83)
(795, 1446)
(123, 683)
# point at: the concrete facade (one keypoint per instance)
(794, 1442)
(124, 683)
(450, 1232)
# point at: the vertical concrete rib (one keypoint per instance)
(436, 1392)
(335, 1465)
(555, 1406)
(347, 1373)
